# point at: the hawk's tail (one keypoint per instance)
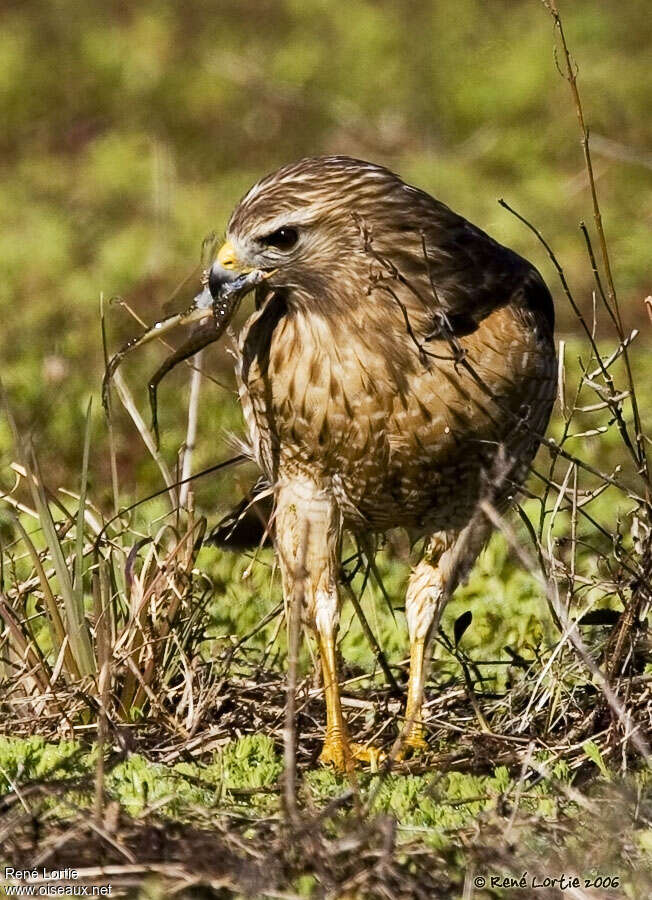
(248, 525)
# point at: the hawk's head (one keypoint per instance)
(340, 236)
(307, 224)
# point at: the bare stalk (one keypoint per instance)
(371, 638)
(115, 485)
(571, 77)
(191, 430)
(571, 631)
(148, 439)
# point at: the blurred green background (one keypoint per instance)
(129, 131)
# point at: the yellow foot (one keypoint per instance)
(413, 745)
(343, 755)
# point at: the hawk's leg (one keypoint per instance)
(424, 603)
(308, 535)
(446, 561)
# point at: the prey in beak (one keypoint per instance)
(209, 315)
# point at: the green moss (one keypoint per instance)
(434, 808)
(245, 765)
(139, 784)
(23, 760)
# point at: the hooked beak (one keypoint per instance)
(226, 276)
(228, 282)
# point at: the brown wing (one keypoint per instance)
(456, 268)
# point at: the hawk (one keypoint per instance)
(396, 355)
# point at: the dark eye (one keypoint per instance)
(282, 238)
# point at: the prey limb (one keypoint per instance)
(222, 309)
(201, 337)
(220, 306)
(157, 330)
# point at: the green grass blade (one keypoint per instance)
(76, 625)
(55, 623)
(79, 542)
